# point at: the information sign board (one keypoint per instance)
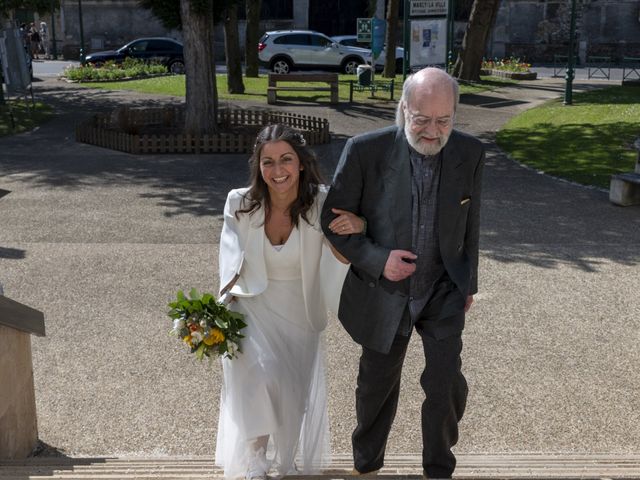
(363, 30)
(425, 8)
(428, 42)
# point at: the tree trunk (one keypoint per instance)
(232, 51)
(391, 38)
(201, 99)
(252, 38)
(481, 20)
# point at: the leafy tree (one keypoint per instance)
(252, 38)
(40, 6)
(232, 51)
(481, 20)
(391, 39)
(201, 99)
(196, 19)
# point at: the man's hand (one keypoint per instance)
(467, 304)
(399, 265)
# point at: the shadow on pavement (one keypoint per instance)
(12, 253)
(488, 101)
(527, 217)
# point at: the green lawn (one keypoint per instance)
(256, 88)
(586, 142)
(25, 116)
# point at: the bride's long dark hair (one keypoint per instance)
(310, 176)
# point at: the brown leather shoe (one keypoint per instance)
(356, 473)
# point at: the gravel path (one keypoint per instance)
(100, 240)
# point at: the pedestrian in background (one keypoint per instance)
(44, 39)
(34, 41)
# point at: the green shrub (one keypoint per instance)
(110, 71)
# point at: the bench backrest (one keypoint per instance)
(302, 77)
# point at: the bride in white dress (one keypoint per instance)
(273, 408)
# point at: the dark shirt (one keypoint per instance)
(425, 182)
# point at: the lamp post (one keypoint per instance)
(54, 48)
(406, 41)
(450, 34)
(568, 100)
(81, 32)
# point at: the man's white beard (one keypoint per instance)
(424, 148)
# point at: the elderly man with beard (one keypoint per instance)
(417, 185)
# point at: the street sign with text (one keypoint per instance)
(421, 8)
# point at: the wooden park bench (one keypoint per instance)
(304, 78)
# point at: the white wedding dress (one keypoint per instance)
(276, 386)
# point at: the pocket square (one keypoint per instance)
(465, 200)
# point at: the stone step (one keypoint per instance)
(407, 467)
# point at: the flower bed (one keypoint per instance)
(508, 68)
(110, 71)
(512, 75)
(158, 130)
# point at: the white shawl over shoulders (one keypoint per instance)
(241, 252)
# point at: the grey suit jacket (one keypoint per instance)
(373, 179)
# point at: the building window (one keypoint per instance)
(269, 10)
(276, 9)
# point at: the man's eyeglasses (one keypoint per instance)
(420, 121)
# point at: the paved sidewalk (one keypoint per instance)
(100, 240)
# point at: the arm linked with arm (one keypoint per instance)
(346, 193)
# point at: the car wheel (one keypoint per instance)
(399, 65)
(350, 65)
(281, 65)
(176, 67)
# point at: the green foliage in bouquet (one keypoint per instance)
(206, 325)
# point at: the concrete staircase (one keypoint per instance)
(472, 467)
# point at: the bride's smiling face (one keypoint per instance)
(280, 168)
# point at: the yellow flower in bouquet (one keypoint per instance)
(206, 325)
(215, 336)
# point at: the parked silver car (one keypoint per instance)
(285, 50)
(352, 41)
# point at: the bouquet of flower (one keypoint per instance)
(206, 325)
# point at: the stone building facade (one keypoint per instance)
(533, 30)
(537, 29)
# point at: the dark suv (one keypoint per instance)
(164, 50)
